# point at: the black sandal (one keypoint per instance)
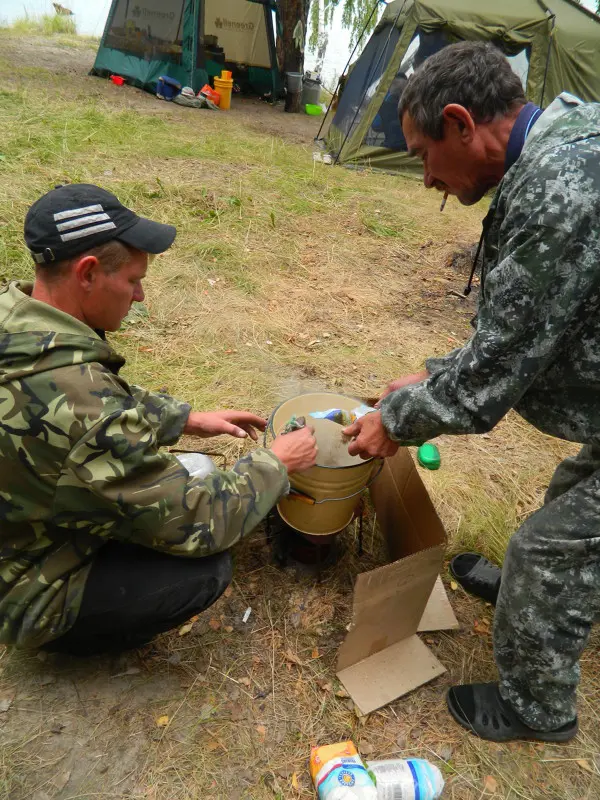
(477, 575)
(480, 709)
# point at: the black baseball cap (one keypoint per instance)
(77, 217)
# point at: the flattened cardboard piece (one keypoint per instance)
(388, 605)
(406, 515)
(438, 614)
(381, 658)
(389, 674)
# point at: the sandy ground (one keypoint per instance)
(75, 64)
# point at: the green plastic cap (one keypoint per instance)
(429, 456)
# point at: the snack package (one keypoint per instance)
(338, 773)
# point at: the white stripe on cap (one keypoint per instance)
(107, 226)
(81, 221)
(77, 212)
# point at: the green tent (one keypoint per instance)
(190, 41)
(552, 49)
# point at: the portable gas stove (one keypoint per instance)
(311, 553)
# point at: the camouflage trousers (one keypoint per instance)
(550, 596)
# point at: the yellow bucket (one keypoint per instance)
(323, 498)
(224, 87)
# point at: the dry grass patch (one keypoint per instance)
(227, 709)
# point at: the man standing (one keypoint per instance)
(536, 348)
(105, 539)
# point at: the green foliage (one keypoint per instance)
(320, 10)
(354, 17)
(46, 25)
(315, 28)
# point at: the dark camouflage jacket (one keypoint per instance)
(536, 346)
(80, 462)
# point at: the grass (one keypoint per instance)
(286, 274)
(45, 25)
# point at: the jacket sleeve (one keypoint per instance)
(437, 363)
(546, 272)
(167, 415)
(116, 483)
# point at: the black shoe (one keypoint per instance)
(480, 709)
(477, 575)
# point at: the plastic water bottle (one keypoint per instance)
(338, 773)
(413, 779)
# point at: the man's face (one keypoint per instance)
(111, 294)
(455, 164)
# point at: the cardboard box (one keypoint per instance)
(382, 658)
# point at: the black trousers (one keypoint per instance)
(133, 593)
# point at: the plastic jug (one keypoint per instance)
(413, 779)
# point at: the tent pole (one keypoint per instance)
(362, 33)
(383, 49)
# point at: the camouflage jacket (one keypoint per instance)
(80, 462)
(536, 346)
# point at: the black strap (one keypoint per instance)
(487, 221)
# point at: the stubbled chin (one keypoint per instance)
(471, 198)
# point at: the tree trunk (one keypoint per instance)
(292, 102)
(291, 11)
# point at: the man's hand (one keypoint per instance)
(297, 450)
(371, 439)
(214, 423)
(400, 383)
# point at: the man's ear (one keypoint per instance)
(86, 271)
(456, 117)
